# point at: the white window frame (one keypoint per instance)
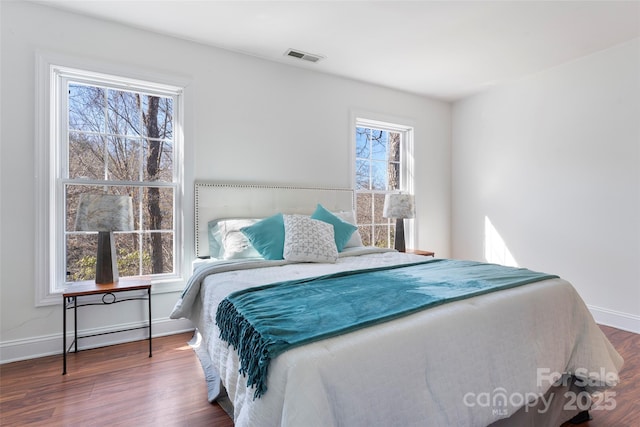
(392, 124)
(53, 71)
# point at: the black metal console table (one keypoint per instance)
(86, 288)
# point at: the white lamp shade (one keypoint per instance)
(398, 206)
(104, 212)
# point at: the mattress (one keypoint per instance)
(447, 365)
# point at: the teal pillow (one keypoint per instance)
(342, 230)
(267, 236)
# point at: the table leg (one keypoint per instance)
(64, 336)
(75, 324)
(149, 291)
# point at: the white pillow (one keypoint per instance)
(356, 239)
(308, 240)
(233, 243)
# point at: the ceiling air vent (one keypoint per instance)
(303, 55)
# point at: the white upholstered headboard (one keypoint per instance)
(219, 200)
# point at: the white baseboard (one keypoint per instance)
(625, 321)
(31, 348)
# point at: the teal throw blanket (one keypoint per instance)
(263, 322)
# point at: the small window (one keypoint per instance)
(382, 153)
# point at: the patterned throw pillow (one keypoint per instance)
(308, 240)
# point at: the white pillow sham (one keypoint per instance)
(228, 241)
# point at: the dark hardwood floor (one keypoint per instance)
(111, 386)
(121, 386)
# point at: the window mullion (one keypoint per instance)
(105, 138)
(140, 234)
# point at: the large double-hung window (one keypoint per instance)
(113, 135)
(383, 164)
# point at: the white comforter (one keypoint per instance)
(435, 368)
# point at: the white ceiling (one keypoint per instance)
(442, 49)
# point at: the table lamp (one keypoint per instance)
(399, 206)
(105, 213)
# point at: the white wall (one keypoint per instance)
(247, 120)
(553, 160)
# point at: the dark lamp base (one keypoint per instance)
(399, 241)
(106, 266)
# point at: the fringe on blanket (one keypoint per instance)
(252, 349)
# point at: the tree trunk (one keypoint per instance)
(393, 166)
(153, 193)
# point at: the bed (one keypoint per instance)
(526, 354)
